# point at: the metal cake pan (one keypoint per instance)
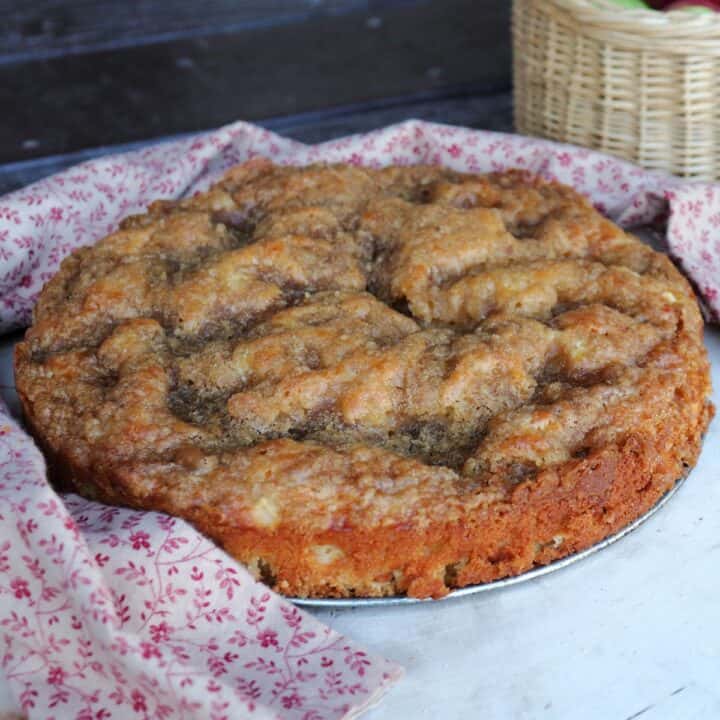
(328, 603)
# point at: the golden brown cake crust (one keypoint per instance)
(372, 382)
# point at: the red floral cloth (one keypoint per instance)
(109, 613)
(105, 612)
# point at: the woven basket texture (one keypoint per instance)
(639, 84)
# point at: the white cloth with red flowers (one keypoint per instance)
(107, 612)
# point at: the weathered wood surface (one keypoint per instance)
(491, 112)
(48, 28)
(80, 75)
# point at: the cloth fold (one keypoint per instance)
(107, 612)
(44, 222)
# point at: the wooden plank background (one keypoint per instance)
(78, 78)
(47, 28)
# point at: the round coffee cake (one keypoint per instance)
(372, 382)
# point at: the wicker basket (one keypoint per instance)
(640, 84)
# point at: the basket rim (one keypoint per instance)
(675, 24)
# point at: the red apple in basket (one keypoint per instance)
(696, 5)
(680, 4)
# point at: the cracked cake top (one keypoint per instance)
(302, 351)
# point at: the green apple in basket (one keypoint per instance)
(632, 4)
